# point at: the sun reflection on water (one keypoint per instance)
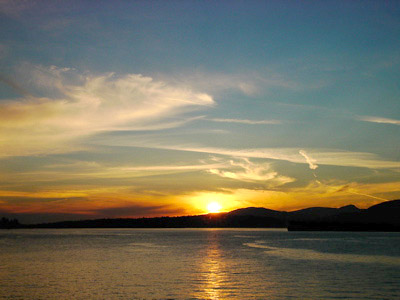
(213, 270)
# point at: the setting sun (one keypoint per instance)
(214, 207)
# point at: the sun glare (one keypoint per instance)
(214, 207)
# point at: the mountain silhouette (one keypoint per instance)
(380, 217)
(256, 212)
(349, 208)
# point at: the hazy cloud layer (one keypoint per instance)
(117, 211)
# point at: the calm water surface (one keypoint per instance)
(198, 264)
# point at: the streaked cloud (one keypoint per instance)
(244, 121)
(248, 83)
(333, 157)
(85, 104)
(102, 172)
(378, 120)
(143, 171)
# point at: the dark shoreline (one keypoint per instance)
(381, 217)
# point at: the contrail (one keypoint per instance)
(311, 162)
(379, 198)
(346, 188)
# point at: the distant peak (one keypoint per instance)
(349, 208)
(253, 211)
(392, 204)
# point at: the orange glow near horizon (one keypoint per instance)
(113, 202)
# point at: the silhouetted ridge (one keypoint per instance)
(381, 217)
(256, 217)
(255, 211)
(393, 205)
(385, 212)
(313, 213)
(349, 208)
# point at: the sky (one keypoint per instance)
(159, 108)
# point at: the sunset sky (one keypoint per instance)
(152, 108)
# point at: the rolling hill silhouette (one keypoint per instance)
(381, 217)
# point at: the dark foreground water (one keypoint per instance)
(198, 264)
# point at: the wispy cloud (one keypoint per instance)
(333, 157)
(78, 105)
(378, 120)
(142, 171)
(244, 121)
(366, 190)
(248, 83)
(251, 172)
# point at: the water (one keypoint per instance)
(198, 264)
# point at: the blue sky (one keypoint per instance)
(143, 108)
